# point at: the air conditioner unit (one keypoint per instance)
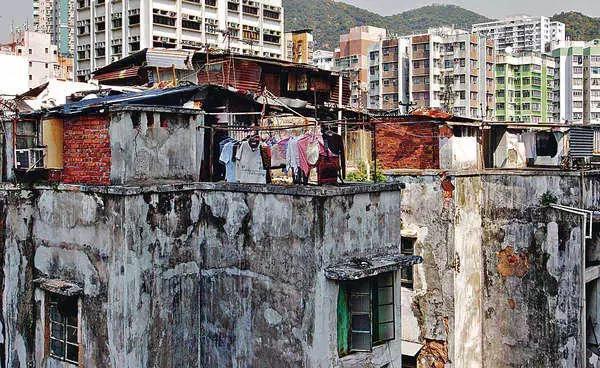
(29, 158)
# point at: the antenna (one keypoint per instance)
(251, 43)
(226, 37)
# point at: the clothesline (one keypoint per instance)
(255, 128)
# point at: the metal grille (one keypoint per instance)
(581, 142)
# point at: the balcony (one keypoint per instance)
(421, 87)
(250, 8)
(420, 55)
(233, 7)
(420, 71)
(271, 12)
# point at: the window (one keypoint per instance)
(366, 313)
(546, 144)
(46, 50)
(62, 324)
(407, 247)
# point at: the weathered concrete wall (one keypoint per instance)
(159, 145)
(189, 276)
(500, 270)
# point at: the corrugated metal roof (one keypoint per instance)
(119, 74)
(244, 75)
(162, 97)
(168, 58)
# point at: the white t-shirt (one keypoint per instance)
(249, 166)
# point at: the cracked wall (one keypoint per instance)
(500, 268)
(188, 278)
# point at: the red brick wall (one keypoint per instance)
(408, 146)
(86, 152)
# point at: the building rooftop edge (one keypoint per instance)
(485, 172)
(137, 189)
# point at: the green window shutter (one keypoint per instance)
(343, 320)
(360, 316)
(383, 308)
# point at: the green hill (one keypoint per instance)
(329, 19)
(579, 26)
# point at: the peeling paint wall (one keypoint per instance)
(190, 278)
(157, 146)
(500, 268)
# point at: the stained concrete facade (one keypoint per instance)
(191, 275)
(501, 284)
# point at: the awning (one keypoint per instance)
(119, 74)
(410, 348)
(362, 267)
(58, 286)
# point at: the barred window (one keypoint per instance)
(366, 313)
(63, 327)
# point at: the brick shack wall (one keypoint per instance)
(86, 152)
(408, 146)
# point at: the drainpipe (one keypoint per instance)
(587, 234)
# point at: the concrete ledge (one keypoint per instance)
(294, 190)
(507, 172)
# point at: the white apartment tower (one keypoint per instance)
(522, 33)
(578, 82)
(389, 66)
(445, 68)
(108, 30)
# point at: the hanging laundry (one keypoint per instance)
(227, 159)
(335, 143)
(265, 154)
(328, 168)
(278, 153)
(249, 165)
(309, 147)
(292, 158)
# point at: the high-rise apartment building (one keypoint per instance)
(525, 87)
(56, 17)
(578, 82)
(389, 64)
(299, 46)
(108, 30)
(352, 60)
(445, 68)
(453, 70)
(522, 33)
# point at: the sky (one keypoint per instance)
(20, 10)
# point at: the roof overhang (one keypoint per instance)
(58, 286)
(410, 348)
(362, 267)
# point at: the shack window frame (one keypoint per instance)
(62, 327)
(369, 302)
(407, 247)
(546, 144)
